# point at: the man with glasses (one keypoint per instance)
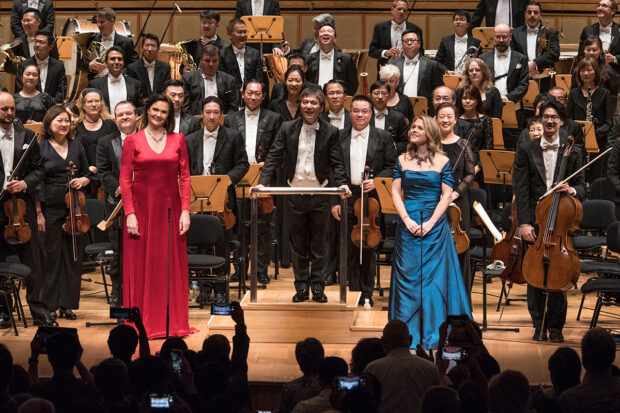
(242, 62)
(535, 165)
(443, 94)
(337, 115)
(452, 48)
(605, 29)
(387, 119)
(362, 146)
(419, 74)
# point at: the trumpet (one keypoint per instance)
(472, 51)
(187, 59)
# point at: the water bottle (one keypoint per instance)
(194, 291)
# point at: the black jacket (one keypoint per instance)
(108, 161)
(134, 90)
(252, 65)
(279, 107)
(594, 30)
(347, 118)
(56, 82)
(137, 71)
(396, 125)
(613, 170)
(227, 92)
(445, 53)
(328, 162)
(486, 9)
(382, 40)
(549, 56)
(32, 170)
(430, 76)
(46, 8)
(23, 50)
(189, 123)
(269, 124)
(244, 8)
(124, 43)
(528, 178)
(195, 46)
(518, 73)
(344, 69)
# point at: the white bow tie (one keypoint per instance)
(149, 65)
(605, 29)
(327, 56)
(209, 78)
(115, 79)
(333, 116)
(43, 62)
(459, 39)
(238, 52)
(308, 128)
(380, 114)
(413, 61)
(397, 26)
(359, 135)
(532, 30)
(546, 146)
(210, 135)
(6, 134)
(499, 54)
(107, 38)
(251, 113)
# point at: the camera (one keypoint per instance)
(44, 332)
(349, 382)
(221, 309)
(161, 401)
(121, 313)
(177, 360)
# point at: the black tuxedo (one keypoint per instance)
(46, 8)
(161, 75)
(430, 76)
(56, 82)
(396, 125)
(529, 185)
(445, 53)
(543, 60)
(517, 82)
(194, 48)
(307, 44)
(108, 162)
(344, 69)
(32, 172)
(23, 50)
(133, 87)
(594, 30)
(227, 92)
(487, 9)
(270, 8)
(347, 118)
(613, 173)
(382, 40)
(278, 91)
(252, 65)
(188, 123)
(124, 43)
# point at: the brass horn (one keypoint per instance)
(7, 50)
(186, 58)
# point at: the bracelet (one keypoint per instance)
(403, 218)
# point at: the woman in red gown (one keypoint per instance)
(154, 178)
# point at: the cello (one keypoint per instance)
(510, 252)
(76, 221)
(366, 232)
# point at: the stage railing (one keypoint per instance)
(341, 191)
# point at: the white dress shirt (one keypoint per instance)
(326, 67)
(240, 56)
(42, 65)
(150, 71)
(208, 149)
(305, 174)
(258, 7)
(123, 136)
(177, 122)
(117, 90)
(336, 119)
(605, 35)
(411, 71)
(460, 48)
(503, 12)
(30, 41)
(550, 157)
(251, 131)
(359, 149)
(501, 64)
(6, 151)
(396, 34)
(380, 118)
(532, 35)
(210, 85)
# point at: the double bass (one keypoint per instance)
(76, 221)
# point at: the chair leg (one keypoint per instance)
(597, 310)
(20, 307)
(105, 283)
(276, 257)
(583, 298)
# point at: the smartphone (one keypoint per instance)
(222, 309)
(44, 332)
(121, 313)
(349, 382)
(177, 360)
(453, 353)
(161, 401)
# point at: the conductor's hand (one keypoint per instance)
(528, 233)
(184, 222)
(336, 212)
(412, 226)
(132, 225)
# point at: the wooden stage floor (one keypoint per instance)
(276, 325)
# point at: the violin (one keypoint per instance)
(227, 216)
(17, 231)
(552, 262)
(366, 233)
(510, 251)
(461, 239)
(76, 221)
(265, 204)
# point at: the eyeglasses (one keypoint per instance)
(408, 41)
(551, 117)
(378, 93)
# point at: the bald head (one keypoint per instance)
(7, 109)
(395, 335)
(502, 37)
(443, 94)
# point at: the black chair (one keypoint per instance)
(598, 214)
(98, 252)
(601, 188)
(11, 279)
(607, 274)
(205, 233)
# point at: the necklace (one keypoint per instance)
(156, 140)
(419, 159)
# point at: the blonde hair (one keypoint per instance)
(104, 112)
(433, 138)
(487, 78)
(389, 71)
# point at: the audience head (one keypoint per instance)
(379, 94)
(238, 32)
(473, 400)
(111, 378)
(158, 113)
(19, 382)
(122, 342)
(30, 77)
(311, 104)
(361, 111)
(321, 20)
(391, 75)
(125, 117)
(502, 37)
(478, 74)
(309, 354)
(508, 392)
(334, 94)
(559, 94)
(37, 405)
(588, 72)
(461, 19)
(365, 351)
(209, 20)
(294, 80)
(56, 123)
(176, 93)
(211, 113)
(330, 368)
(44, 42)
(150, 374)
(440, 399)
(150, 47)
(541, 99)
(443, 94)
(411, 43)
(470, 101)
(63, 350)
(209, 59)
(535, 127)
(564, 369)
(533, 14)
(598, 350)
(215, 346)
(396, 333)
(253, 94)
(92, 105)
(400, 11)
(7, 109)
(106, 17)
(172, 343)
(31, 20)
(6, 367)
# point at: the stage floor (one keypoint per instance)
(273, 334)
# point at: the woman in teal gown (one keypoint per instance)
(424, 175)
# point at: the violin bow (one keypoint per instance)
(107, 223)
(19, 163)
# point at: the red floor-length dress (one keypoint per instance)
(150, 183)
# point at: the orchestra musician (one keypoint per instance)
(258, 126)
(14, 141)
(208, 81)
(30, 21)
(536, 164)
(362, 145)
(309, 152)
(236, 59)
(30, 103)
(288, 105)
(209, 22)
(390, 74)
(149, 71)
(183, 122)
(477, 74)
(337, 115)
(613, 169)
(454, 48)
(278, 91)
(108, 162)
(444, 94)
(386, 44)
(311, 44)
(63, 273)
(494, 12)
(46, 13)
(385, 118)
(593, 47)
(605, 29)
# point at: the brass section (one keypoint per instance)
(9, 53)
(186, 58)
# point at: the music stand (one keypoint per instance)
(453, 81)
(420, 105)
(498, 135)
(532, 91)
(208, 193)
(509, 115)
(590, 136)
(564, 81)
(486, 37)
(497, 168)
(264, 28)
(383, 187)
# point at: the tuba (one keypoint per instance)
(11, 56)
(472, 51)
(186, 57)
